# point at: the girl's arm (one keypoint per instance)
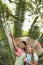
(30, 63)
(25, 60)
(13, 41)
(35, 63)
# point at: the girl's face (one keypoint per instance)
(22, 46)
(29, 49)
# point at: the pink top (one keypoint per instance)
(18, 52)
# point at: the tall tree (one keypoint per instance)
(35, 9)
(19, 13)
(5, 49)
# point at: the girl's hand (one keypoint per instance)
(25, 60)
(11, 34)
(32, 64)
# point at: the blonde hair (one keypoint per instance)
(32, 58)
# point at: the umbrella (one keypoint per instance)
(34, 43)
(38, 48)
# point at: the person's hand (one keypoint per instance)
(25, 60)
(32, 64)
(11, 34)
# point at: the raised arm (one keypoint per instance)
(13, 41)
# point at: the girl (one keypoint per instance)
(32, 58)
(20, 52)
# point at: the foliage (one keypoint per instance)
(24, 33)
(41, 40)
(34, 7)
(19, 13)
(5, 53)
(34, 33)
(5, 56)
(40, 60)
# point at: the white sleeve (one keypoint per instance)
(35, 57)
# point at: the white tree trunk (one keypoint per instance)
(7, 30)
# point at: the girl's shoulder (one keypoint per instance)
(35, 56)
(24, 55)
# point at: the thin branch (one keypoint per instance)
(10, 14)
(12, 2)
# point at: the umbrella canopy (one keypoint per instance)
(36, 45)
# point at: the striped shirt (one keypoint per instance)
(20, 59)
